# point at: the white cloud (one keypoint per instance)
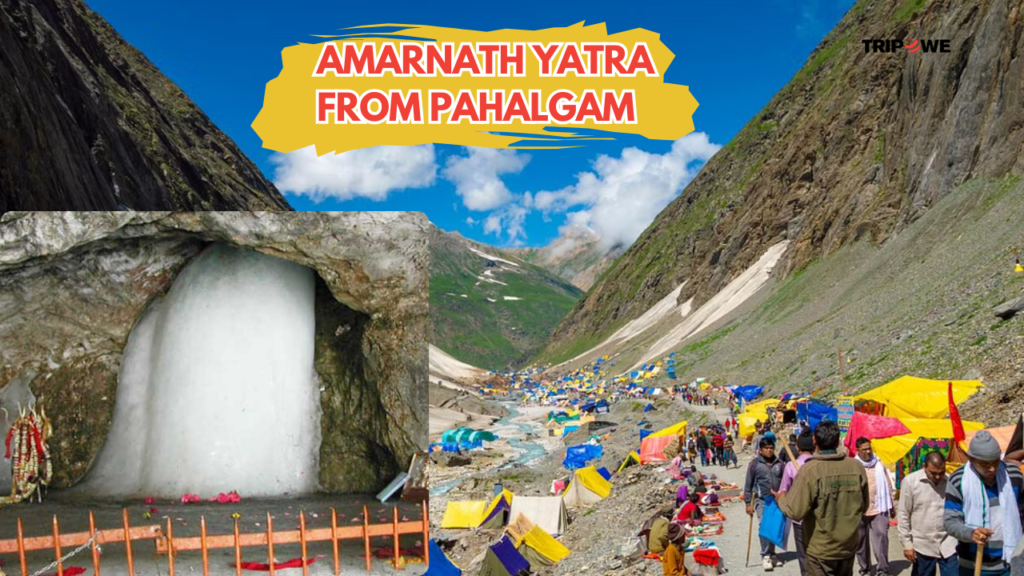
(368, 172)
(511, 220)
(477, 176)
(470, 221)
(621, 196)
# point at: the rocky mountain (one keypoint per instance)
(488, 308)
(576, 256)
(88, 123)
(850, 155)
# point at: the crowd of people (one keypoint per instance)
(840, 507)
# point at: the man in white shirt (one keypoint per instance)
(926, 544)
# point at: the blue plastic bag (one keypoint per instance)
(774, 525)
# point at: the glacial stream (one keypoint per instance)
(515, 433)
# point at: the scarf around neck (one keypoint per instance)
(883, 500)
(977, 514)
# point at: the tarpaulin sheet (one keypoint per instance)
(440, 565)
(590, 478)
(548, 512)
(652, 449)
(608, 475)
(872, 427)
(813, 413)
(913, 397)
(890, 450)
(509, 557)
(748, 393)
(463, 514)
(542, 543)
(578, 456)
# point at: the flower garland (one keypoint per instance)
(26, 447)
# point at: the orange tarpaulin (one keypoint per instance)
(1002, 434)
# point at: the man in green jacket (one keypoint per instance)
(829, 495)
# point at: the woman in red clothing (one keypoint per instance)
(690, 511)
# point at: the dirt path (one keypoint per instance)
(733, 542)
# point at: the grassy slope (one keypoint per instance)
(488, 334)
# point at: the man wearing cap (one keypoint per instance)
(984, 508)
(922, 498)
(805, 445)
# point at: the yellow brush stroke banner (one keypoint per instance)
(499, 89)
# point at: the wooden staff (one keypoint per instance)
(750, 535)
(977, 560)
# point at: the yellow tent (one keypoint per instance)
(631, 459)
(489, 518)
(463, 514)
(913, 397)
(587, 487)
(889, 450)
(540, 549)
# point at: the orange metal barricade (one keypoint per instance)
(167, 544)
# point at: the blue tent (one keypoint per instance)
(649, 407)
(814, 413)
(578, 456)
(604, 473)
(440, 565)
(748, 393)
(569, 430)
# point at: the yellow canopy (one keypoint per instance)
(545, 545)
(889, 450)
(463, 514)
(913, 397)
(677, 429)
(753, 413)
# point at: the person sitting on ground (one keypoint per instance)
(700, 488)
(829, 495)
(690, 510)
(985, 507)
(672, 560)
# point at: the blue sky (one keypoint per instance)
(733, 56)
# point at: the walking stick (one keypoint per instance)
(750, 533)
(977, 560)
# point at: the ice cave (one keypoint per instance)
(217, 390)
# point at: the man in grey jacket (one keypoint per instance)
(764, 475)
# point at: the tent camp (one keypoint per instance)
(497, 512)
(913, 397)
(587, 487)
(652, 447)
(502, 559)
(440, 565)
(548, 512)
(463, 515)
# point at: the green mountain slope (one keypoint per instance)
(857, 147)
(487, 307)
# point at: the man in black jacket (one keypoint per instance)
(702, 448)
(764, 474)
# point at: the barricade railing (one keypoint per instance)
(168, 545)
